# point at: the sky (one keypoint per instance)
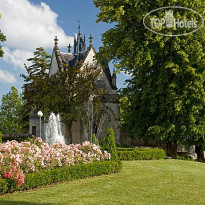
(29, 24)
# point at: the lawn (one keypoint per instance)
(140, 182)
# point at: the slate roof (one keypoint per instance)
(107, 73)
(69, 58)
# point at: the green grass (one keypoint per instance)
(140, 182)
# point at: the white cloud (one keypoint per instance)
(28, 26)
(7, 77)
(16, 57)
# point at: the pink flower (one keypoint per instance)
(19, 182)
(8, 175)
(16, 158)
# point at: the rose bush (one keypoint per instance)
(16, 158)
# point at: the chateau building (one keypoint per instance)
(107, 117)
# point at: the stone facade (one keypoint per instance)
(108, 116)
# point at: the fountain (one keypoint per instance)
(53, 130)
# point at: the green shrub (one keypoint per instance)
(59, 174)
(142, 154)
(95, 140)
(0, 137)
(125, 149)
(131, 149)
(17, 137)
(109, 144)
(187, 158)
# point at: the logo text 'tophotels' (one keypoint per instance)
(170, 22)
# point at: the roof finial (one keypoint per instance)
(69, 48)
(91, 39)
(79, 31)
(56, 41)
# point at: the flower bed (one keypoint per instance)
(18, 159)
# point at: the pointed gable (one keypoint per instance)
(87, 57)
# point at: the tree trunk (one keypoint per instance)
(69, 134)
(172, 150)
(199, 151)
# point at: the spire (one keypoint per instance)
(79, 29)
(79, 43)
(69, 48)
(57, 53)
(91, 39)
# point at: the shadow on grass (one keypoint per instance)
(21, 203)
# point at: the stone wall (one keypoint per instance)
(131, 141)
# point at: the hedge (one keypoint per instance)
(187, 158)
(59, 174)
(131, 149)
(142, 154)
(17, 137)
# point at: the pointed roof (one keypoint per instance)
(72, 58)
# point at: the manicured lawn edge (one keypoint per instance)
(59, 174)
(142, 154)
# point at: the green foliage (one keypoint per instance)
(40, 64)
(131, 149)
(0, 137)
(141, 182)
(142, 154)
(35, 83)
(166, 92)
(187, 158)
(95, 140)
(2, 39)
(11, 119)
(109, 144)
(17, 137)
(59, 174)
(63, 92)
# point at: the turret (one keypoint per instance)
(79, 43)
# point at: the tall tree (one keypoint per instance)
(166, 92)
(2, 39)
(11, 113)
(35, 86)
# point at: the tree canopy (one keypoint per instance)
(166, 97)
(11, 113)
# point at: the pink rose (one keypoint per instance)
(8, 175)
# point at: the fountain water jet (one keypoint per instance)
(53, 130)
